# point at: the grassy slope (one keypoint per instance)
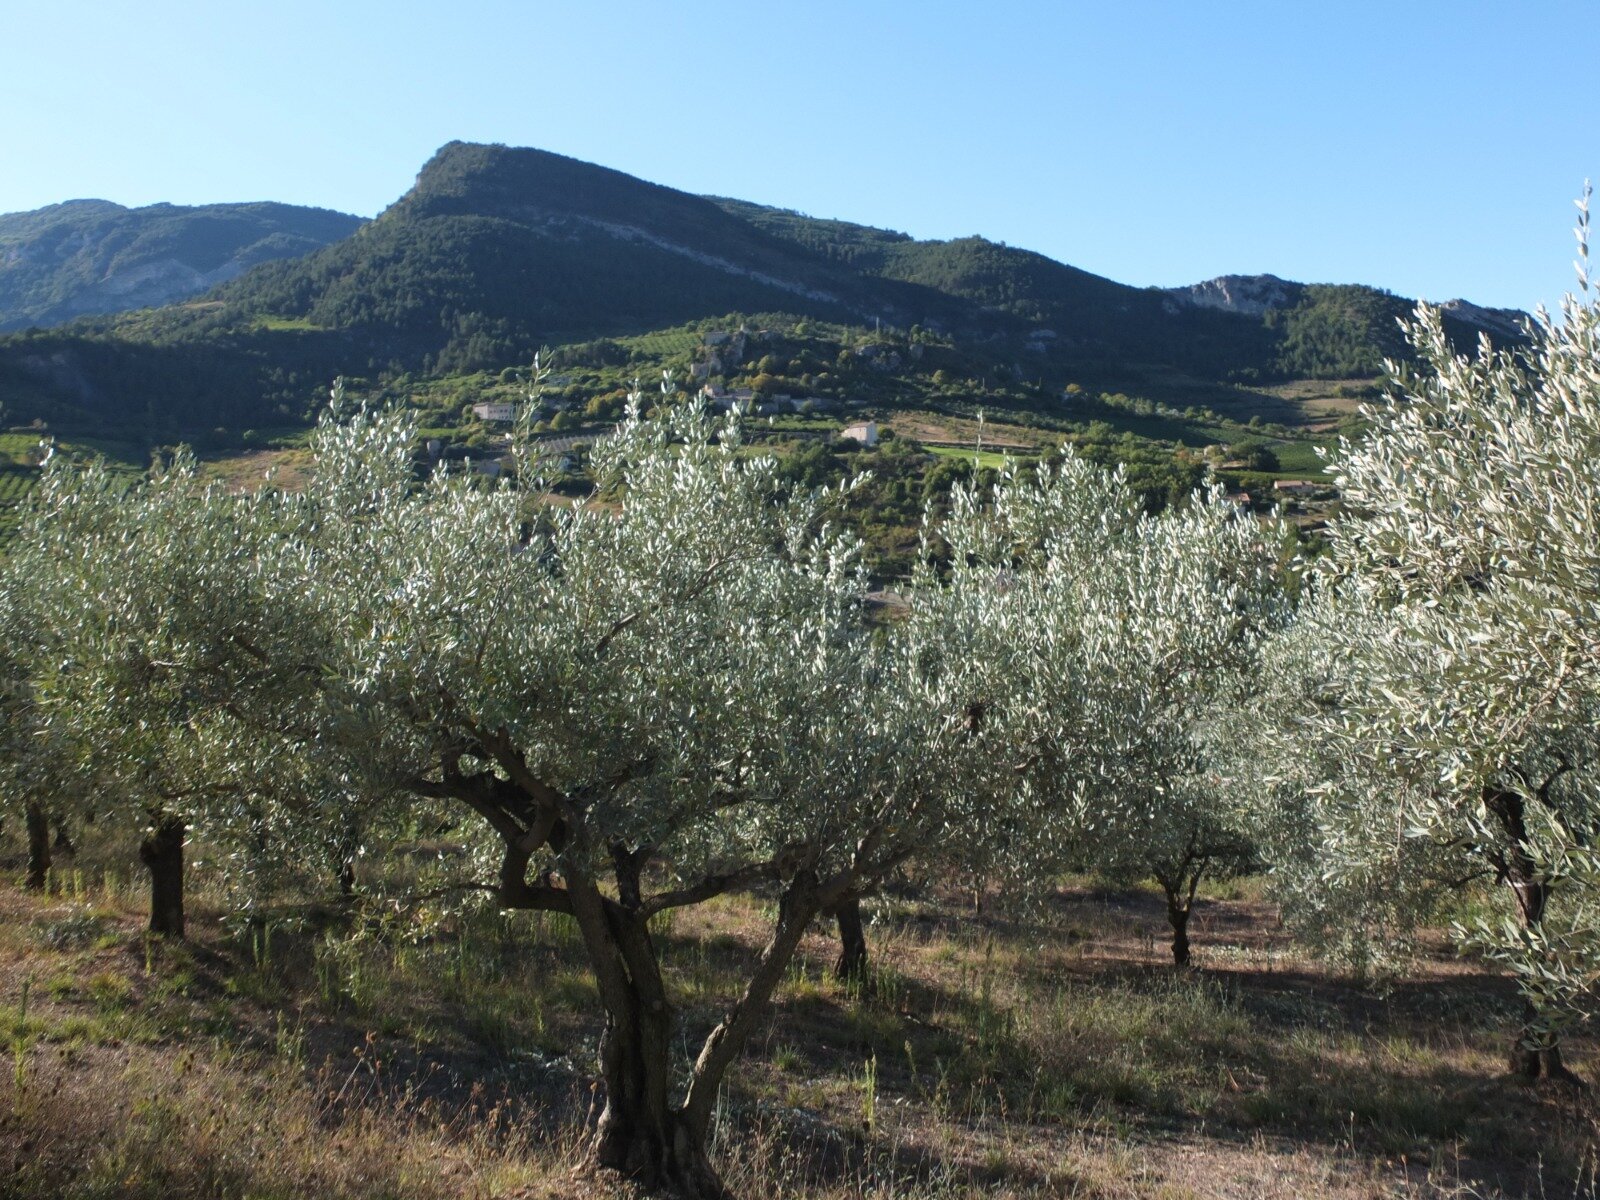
(1047, 1056)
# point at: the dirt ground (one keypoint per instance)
(1047, 1053)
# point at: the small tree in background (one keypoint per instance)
(1170, 629)
(132, 595)
(1138, 637)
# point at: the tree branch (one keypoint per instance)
(698, 588)
(710, 886)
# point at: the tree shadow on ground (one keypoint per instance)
(1079, 1027)
(1279, 1046)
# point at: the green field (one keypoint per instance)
(280, 324)
(986, 458)
(1298, 459)
(663, 345)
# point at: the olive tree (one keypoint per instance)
(24, 760)
(130, 595)
(1171, 621)
(1464, 585)
(1139, 638)
(638, 702)
(1349, 884)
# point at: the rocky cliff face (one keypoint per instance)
(1497, 322)
(1251, 295)
(1254, 295)
(92, 256)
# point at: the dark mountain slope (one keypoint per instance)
(1240, 327)
(1071, 316)
(498, 250)
(1333, 330)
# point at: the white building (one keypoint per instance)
(865, 432)
(495, 412)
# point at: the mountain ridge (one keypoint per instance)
(496, 251)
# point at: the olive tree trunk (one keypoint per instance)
(1179, 884)
(1178, 918)
(38, 846)
(161, 851)
(347, 849)
(852, 966)
(644, 1131)
(1535, 1051)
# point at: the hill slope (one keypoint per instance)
(1235, 326)
(92, 256)
(496, 251)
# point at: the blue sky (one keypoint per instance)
(1432, 148)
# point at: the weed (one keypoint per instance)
(74, 932)
(868, 1084)
(111, 991)
(19, 1049)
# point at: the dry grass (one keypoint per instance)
(1055, 1055)
(946, 430)
(1321, 403)
(246, 471)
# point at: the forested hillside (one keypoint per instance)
(1315, 331)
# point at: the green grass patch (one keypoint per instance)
(1298, 460)
(285, 324)
(986, 458)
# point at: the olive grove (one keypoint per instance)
(123, 603)
(639, 702)
(673, 689)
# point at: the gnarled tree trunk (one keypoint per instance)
(852, 966)
(162, 854)
(1535, 1053)
(38, 846)
(639, 1133)
(643, 1131)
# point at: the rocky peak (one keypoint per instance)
(1497, 322)
(1248, 294)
